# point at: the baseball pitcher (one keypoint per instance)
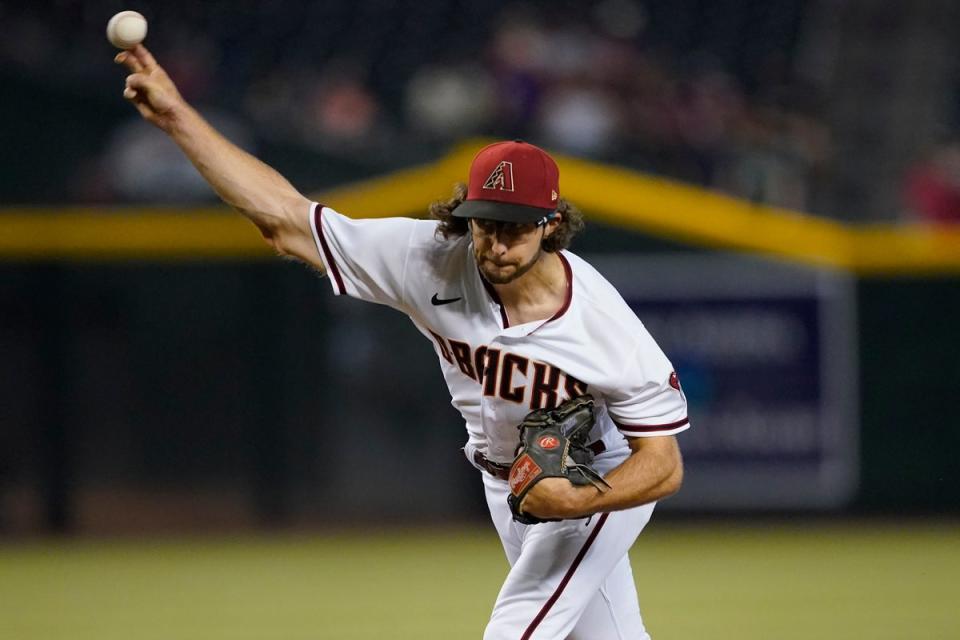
(570, 406)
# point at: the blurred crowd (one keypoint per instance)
(585, 87)
(932, 185)
(381, 83)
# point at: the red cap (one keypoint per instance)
(512, 182)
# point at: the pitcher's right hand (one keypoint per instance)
(149, 87)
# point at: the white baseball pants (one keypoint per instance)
(569, 579)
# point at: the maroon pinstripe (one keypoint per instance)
(566, 578)
(318, 218)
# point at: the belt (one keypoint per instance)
(502, 471)
(495, 469)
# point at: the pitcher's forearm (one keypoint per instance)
(653, 471)
(253, 188)
(242, 181)
(639, 480)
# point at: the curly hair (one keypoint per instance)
(571, 221)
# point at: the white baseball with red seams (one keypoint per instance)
(573, 577)
(126, 29)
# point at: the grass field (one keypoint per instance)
(710, 582)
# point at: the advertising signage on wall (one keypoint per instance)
(766, 355)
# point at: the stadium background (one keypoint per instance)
(163, 377)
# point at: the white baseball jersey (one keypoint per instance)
(570, 579)
(497, 372)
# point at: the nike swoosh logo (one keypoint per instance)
(435, 301)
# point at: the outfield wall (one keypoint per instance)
(226, 392)
(161, 369)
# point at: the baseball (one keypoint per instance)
(126, 29)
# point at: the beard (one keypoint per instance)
(504, 273)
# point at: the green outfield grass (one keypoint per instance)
(710, 582)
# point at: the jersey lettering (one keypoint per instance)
(574, 387)
(543, 394)
(490, 369)
(499, 373)
(461, 351)
(511, 361)
(480, 362)
(442, 345)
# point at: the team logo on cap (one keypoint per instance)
(501, 178)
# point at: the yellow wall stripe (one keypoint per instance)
(403, 193)
(130, 233)
(679, 212)
(612, 195)
(908, 249)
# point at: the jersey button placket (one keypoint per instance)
(488, 410)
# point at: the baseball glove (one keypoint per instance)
(553, 445)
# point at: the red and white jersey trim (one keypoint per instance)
(668, 429)
(316, 225)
